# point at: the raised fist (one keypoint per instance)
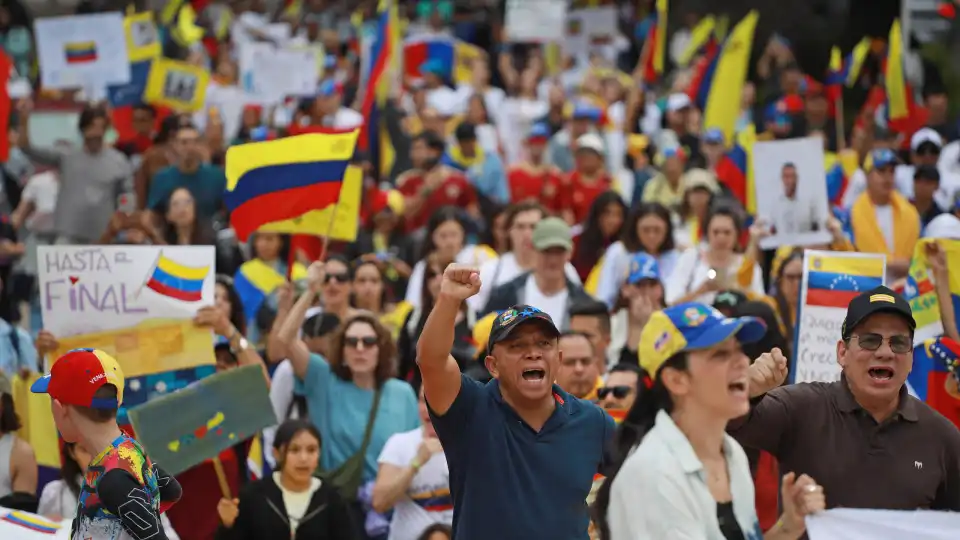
(767, 372)
(460, 282)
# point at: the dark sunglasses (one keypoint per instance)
(368, 341)
(872, 342)
(342, 277)
(618, 392)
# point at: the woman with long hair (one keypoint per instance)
(291, 502)
(672, 451)
(715, 265)
(601, 229)
(18, 464)
(370, 293)
(786, 272)
(699, 189)
(182, 227)
(648, 229)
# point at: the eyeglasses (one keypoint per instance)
(872, 342)
(618, 392)
(340, 278)
(368, 341)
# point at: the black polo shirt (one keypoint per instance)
(510, 482)
(909, 461)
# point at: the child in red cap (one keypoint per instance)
(123, 492)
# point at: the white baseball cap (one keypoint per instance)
(925, 135)
(678, 101)
(590, 141)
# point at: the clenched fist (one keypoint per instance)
(460, 282)
(767, 372)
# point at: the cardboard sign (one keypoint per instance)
(143, 40)
(186, 428)
(177, 85)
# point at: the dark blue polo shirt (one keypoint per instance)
(510, 482)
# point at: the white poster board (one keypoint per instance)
(791, 192)
(541, 21)
(864, 524)
(586, 26)
(18, 525)
(137, 303)
(830, 280)
(268, 74)
(82, 51)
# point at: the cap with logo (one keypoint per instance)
(877, 300)
(77, 375)
(883, 157)
(691, 327)
(511, 318)
(552, 232)
(642, 266)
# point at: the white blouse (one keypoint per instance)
(692, 271)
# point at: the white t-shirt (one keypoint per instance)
(554, 305)
(503, 269)
(692, 271)
(296, 502)
(281, 396)
(428, 499)
(41, 190)
(885, 222)
(470, 255)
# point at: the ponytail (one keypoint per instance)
(652, 397)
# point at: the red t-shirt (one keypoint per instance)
(455, 190)
(577, 196)
(541, 184)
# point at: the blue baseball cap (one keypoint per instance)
(690, 327)
(514, 316)
(713, 136)
(642, 266)
(883, 157)
(584, 111)
(539, 131)
(327, 88)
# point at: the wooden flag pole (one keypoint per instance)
(221, 478)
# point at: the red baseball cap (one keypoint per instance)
(77, 375)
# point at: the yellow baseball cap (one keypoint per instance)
(690, 327)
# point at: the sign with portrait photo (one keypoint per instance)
(178, 85)
(143, 40)
(791, 192)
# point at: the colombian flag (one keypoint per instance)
(174, 280)
(32, 522)
(285, 179)
(81, 52)
(936, 374)
(834, 280)
(702, 37)
(723, 80)
(256, 280)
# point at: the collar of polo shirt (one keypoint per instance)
(846, 402)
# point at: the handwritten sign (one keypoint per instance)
(134, 302)
(186, 428)
(830, 280)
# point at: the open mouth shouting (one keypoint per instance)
(534, 375)
(881, 374)
(738, 388)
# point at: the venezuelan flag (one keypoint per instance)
(174, 280)
(256, 280)
(834, 280)
(32, 522)
(896, 86)
(723, 81)
(434, 501)
(81, 52)
(920, 288)
(286, 178)
(373, 137)
(936, 374)
(836, 178)
(701, 37)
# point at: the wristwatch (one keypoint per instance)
(241, 342)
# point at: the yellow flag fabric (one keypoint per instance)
(309, 148)
(177, 85)
(37, 427)
(857, 57)
(894, 82)
(143, 41)
(699, 37)
(661, 48)
(187, 32)
(729, 76)
(345, 215)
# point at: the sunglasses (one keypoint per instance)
(339, 278)
(872, 342)
(368, 341)
(618, 392)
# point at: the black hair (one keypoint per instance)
(145, 107)
(466, 131)
(629, 236)
(237, 318)
(927, 172)
(436, 528)
(516, 209)
(319, 325)
(439, 217)
(290, 429)
(90, 114)
(783, 310)
(9, 421)
(100, 416)
(592, 244)
(728, 211)
(433, 140)
(343, 260)
(639, 420)
(591, 308)
(574, 333)
(70, 469)
(773, 338)
(385, 289)
(168, 126)
(627, 367)
(788, 165)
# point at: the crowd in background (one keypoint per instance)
(578, 188)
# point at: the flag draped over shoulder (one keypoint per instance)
(284, 179)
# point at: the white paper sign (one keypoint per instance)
(541, 21)
(89, 289)
(17, 525)
(82, 51)
(268, 74)
(228, 102)
(857, 524)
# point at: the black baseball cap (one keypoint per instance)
(511, 318)
(878, 300)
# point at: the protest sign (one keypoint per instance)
(137, 304)
(188, 427)
(143, 40)
(550, 17)
(82, 51)
(831, 279)
(18, 525)
(268, 73)
(861, 524)
(178, 85)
